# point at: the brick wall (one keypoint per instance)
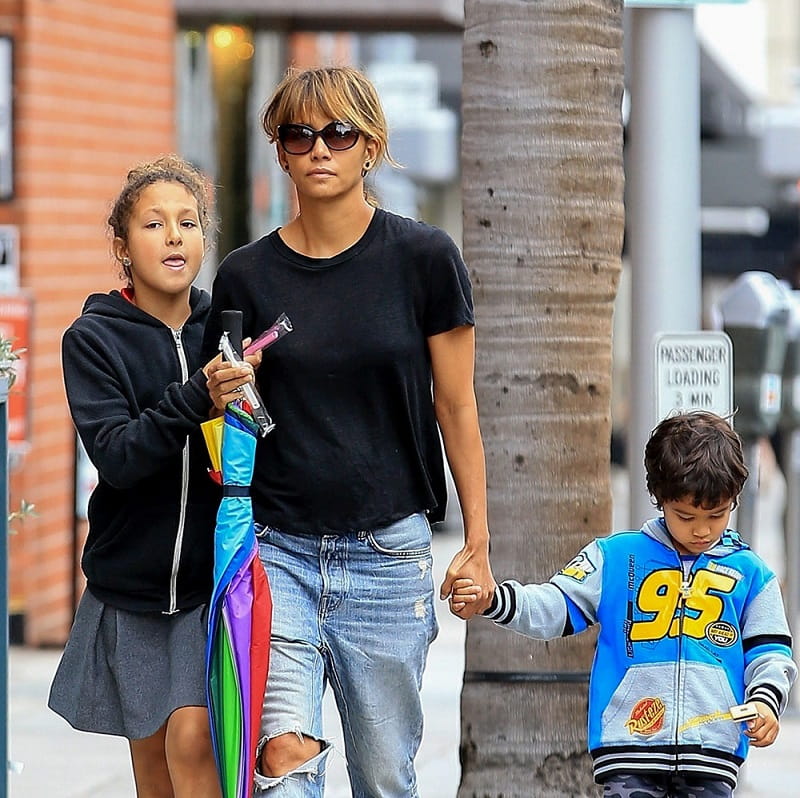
(93, 96)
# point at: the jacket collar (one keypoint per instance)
(730, 541)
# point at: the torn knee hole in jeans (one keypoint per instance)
(296, 731)
(310, 769)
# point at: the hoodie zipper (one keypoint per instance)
(176, 554)
(686, 586)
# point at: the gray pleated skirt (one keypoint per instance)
(124, 673)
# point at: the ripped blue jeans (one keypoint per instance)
(354, 611)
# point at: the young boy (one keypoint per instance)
(691, 625)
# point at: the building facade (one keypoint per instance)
(91, 92)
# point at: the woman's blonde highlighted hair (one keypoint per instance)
(342, 93)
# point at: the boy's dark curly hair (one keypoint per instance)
(697, 456)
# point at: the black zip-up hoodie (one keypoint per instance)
(137, 396)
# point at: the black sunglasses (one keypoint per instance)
(300, 139)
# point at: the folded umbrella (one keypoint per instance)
(240, 610)
(240, 615)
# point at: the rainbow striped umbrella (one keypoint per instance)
(240, 611)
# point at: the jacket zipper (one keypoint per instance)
(176, 554)
(686, 583)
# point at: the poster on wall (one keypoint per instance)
(15, 324)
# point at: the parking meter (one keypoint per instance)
(790, 389)
(790, 461)
(755, 315)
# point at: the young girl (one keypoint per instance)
(134, 664)
(346, 485)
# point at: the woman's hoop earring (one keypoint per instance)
(367, 167)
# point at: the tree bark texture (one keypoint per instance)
(542, 185)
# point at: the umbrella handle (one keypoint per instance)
(259, 412)
(232, 324)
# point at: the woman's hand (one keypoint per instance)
(473, 566)
(464, 592)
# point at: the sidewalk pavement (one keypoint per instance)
(80, 765)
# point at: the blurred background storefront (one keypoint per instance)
(88, 88)
(228, 63)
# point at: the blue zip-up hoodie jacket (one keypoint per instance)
(675, 651)
(137, 395)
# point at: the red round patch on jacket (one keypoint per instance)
(647, 716)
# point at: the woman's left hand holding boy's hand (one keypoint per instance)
(764, 729)
(468, 565)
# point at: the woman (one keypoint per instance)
(380, 360)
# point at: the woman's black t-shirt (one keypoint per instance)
(356, 445)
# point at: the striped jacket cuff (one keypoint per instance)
(503, 606)
(767, 694)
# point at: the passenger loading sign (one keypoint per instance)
(694, 371)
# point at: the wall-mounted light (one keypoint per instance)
(230, 44)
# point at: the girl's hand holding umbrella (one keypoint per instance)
(225, 379)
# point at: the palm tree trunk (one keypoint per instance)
(543, 226)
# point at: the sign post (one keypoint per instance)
(663, 220)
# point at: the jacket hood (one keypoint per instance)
(730, 541)
(114, 306)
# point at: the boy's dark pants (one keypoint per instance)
(667, 786)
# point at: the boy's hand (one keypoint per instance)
(464, 592)
(764, 729)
